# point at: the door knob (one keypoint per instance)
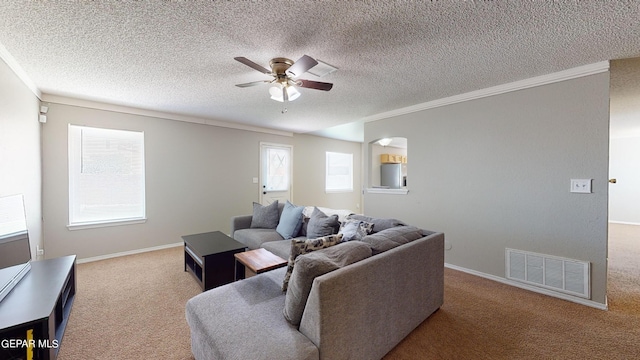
(613, 181)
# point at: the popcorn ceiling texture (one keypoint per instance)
(177, 57)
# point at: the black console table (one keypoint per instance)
(34, 315)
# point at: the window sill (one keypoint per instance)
(402, 191)
(93, 225)
(338, 191)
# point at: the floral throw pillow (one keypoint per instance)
(355, 229)
(300, 247)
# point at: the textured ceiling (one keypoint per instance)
(177, 57)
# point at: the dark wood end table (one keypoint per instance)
(209, 258)
(258, 261)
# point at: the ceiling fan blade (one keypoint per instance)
(301, 66)
(253, 83)
(252, 65)
(314, 85)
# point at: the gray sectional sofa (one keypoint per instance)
(360, 309)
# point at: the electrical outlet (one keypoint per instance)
(581, 186)
(39, 251)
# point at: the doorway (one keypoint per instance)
(276, 171)
(624, 188)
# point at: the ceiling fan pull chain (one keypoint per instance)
(285, 98)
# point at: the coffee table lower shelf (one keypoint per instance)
(209, 258)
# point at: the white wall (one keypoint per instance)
(20, 149)
(494, 173)
(624, 195)
(197, 178)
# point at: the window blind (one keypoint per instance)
(106, 175)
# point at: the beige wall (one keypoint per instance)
(309, 173)
(494, 173)
(197, 178)
(20, 149)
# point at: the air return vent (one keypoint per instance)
(551, 272)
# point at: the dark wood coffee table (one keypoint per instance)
(258, 261)
(209, 258)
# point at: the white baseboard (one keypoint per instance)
(131, 252)
(624, 223)
(574, 299)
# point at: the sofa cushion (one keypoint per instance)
(355, 229)
(254, 238)
(314, 264)
(280, 248)
(322, 225)
(392, 237)
(265, 217)
(243, 320)
(379, 224)
(300, 247)
(290, 221)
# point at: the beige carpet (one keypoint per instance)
(133, 308)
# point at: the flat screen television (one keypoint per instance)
(15, 250)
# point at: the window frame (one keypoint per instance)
(75, 149)
(328, 165)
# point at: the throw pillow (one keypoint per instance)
(265, 217)
(315, 264)
(290, 221)
(322, 225)
(355, 229)
(300, 247)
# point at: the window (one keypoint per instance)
(339, 172)
(106, 176)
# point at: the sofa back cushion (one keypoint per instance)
(391, 237)
(314, 264)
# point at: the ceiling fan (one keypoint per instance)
(285, 77)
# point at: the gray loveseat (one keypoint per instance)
(358, 311)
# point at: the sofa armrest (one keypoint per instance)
(365, 309)
(240, 222)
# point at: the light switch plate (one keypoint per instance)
(581, 186)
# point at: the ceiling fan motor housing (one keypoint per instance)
(280, 65)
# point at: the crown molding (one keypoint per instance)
(564, 75)
(91, 104)
(17, 69)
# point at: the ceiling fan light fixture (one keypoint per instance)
(293, 93)
(276, 93)
(285, 74)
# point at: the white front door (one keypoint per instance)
(275, 173)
